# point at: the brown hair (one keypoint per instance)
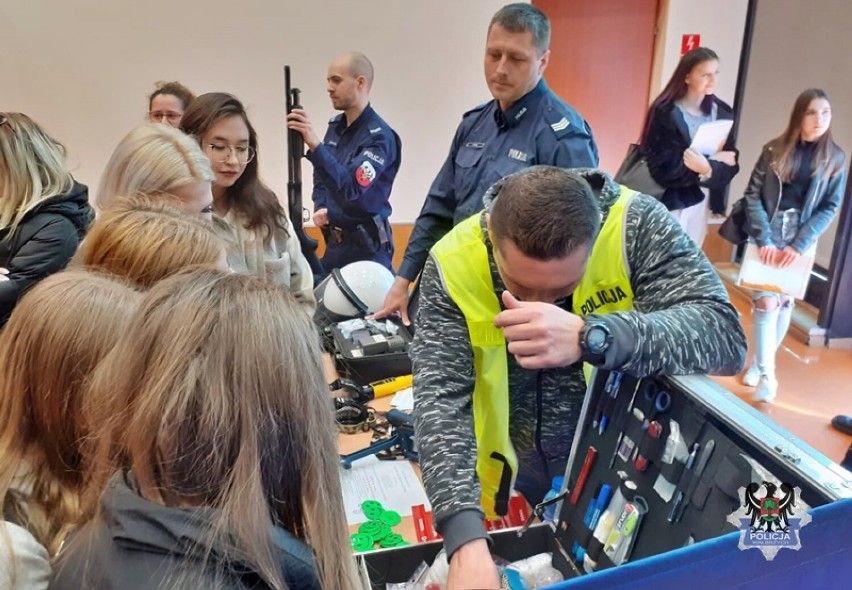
(55, 337)
(183, 94)
(547, 212)
(147, 240)
(675, 89)
(199, 401)
(828, 156)
(255, 203)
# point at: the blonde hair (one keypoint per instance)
(147, 240)
(199, 401)
(32, 168)
(153, 159)
(57, 334)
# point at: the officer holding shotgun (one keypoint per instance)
(354, 168)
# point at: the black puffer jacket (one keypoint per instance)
(42, 244)
(663, 146)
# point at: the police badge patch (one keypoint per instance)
(365, 174)
(768, 522)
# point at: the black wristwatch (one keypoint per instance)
(595, 339)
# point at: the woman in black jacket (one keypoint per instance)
(44, 213)
(794, 192)
(685, 103)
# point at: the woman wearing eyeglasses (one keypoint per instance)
(44, 213)
(248, 216)
(168, 103)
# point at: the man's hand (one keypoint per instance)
(396, 301)
(4, 274)
(786, 257)
(321, 217)
(298, 120)
(729, 158)
(472, 567)
(696, 162)
(540, 335)
(768, 255)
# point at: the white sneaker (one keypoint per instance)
(752, 376)
(767, 390)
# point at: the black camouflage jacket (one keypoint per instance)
(683, 323)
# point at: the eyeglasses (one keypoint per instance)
(158, 116)
(222, 153)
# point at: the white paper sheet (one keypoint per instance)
(711, 137)
(792, 280)
(393, 483)
(404, 400)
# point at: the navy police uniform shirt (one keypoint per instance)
(354, 169)
(489, 144)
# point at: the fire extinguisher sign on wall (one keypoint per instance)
(689, 43)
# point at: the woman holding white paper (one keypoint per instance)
(794, 192)
(686, 103)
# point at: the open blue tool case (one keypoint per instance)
(656, 506)
(671, 459)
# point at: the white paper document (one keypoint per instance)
(404, 400)
(792, 280)
(711, 137)
(393, 483)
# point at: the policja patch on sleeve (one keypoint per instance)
(365, 174)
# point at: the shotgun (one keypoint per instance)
(295, 153)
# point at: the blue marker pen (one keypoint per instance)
(593, 514)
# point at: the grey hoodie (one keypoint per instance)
(683, 322)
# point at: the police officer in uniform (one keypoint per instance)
(354, 168)
(525, 124)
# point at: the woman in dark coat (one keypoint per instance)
(682, 107)
(44, 213)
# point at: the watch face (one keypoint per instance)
(596, 339)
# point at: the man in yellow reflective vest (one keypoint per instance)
(562, 267)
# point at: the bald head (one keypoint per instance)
(356, 64)
(350, 77)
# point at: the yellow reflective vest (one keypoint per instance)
(462, 259)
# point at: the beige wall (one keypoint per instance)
(796, 45)
(83, 69)
(720, 24)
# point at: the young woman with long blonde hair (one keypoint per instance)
(52, 342)
(218, 443)
(44, 213)
(159, 160)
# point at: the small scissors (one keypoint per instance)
(661, 401)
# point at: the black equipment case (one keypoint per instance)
(370, 354)
(628, 449)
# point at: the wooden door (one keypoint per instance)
(601, 60)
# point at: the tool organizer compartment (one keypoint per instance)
(725, 445)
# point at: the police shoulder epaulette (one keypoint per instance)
(558, 120)
(477, 108)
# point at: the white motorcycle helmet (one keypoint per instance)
(356, 290)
